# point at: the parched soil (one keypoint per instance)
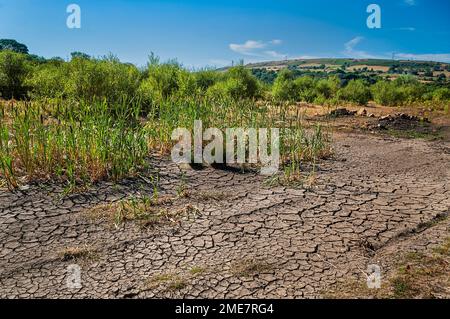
(378, 198)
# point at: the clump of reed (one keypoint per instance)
(73, 141)
(83, 142)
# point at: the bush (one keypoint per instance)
(356, 91)
(162, 81)
(409, 89)
(13, 71)
(85, 79)
(47, 80)
(328, 87)
(206, 78)
(13, 45)
(385, 93)
(284, 87)
(238, 83)
(306, 89)
(105, 79)
(441, 95)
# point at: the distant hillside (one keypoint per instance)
(426, 71)
(347, 63)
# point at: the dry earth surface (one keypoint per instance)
(234, 236)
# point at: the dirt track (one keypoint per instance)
(378, 196)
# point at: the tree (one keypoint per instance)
(13, 70)
(13, 45)
(356, 91)
(441, 94)
(306, 88)
(80, 55)
(328, 87)
(385, 93)
(237, 83)
(284, 88)
(441, 77)
(36, 59)
(428, 73)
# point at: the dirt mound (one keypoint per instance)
(402, 121)
(341, 113)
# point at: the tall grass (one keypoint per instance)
(75, 142)
(85, 142)
(297, 144)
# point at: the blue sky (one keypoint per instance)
(200, 33)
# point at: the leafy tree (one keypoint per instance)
(441, 95)
(47, 80)
(206, 78)
(306, 88)
(428, 73)
(249, 86)
(356, 91)
(328, 87)
(284, 88)
(35, 59)
(264, 75)
(80, 55)
(385, 93)
(13, 45)
(441, 77)
(162, 81)
(13, 70)
(237, 83)
(106, 78)
(85, 79)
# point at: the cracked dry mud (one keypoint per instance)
(378, 197)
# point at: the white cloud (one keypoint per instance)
(443, 57)
(406, 29)
(256, 49)
(350, 45)
(350, 50)
(248, 48)
(410, 2)
(275, 54)
(305, 57)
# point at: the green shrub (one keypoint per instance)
(206, 78)
(328, 87)
(385, 93)
(356, 91)
(409, 89)
(284, 87)
(162, 81)
(441, 95)
(104, 79)
(13, 71)
(238, 83)
(85, 79)
(306, 89)
(47, 80)
(13, 45)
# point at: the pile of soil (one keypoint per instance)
(342, 112)
(402, 121)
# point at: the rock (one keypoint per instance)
(362, 112)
